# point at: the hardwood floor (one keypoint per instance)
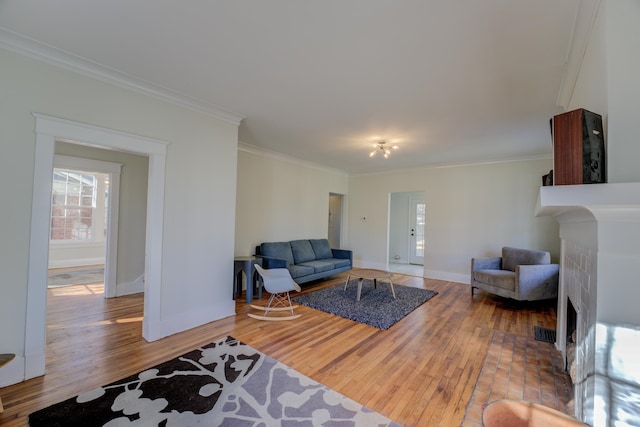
(420, 372)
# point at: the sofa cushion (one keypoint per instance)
(321, 248)
(501, 278)
(511, 257)
(319, 265)
(277, 250)
(302, 251)
(339, 262)
(300, 270)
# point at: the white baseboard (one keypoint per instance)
(368, 264)
(448, 276)
(22, 368)
(13, 372)
(129, 288)
(190, 319)
(78, 262)
(428, 274)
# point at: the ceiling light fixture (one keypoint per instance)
(380, 147)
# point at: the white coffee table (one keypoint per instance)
(370, 274)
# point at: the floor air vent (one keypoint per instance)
(544, 334)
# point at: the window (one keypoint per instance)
(419, 230)
(74, 203)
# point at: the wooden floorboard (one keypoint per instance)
(419, 372)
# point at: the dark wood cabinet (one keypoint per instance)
(578, 148)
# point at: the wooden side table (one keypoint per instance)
(4, 359)
(246, 264)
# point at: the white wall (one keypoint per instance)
(472, 211)
(199, 215)
(69, 254)
(608, 84)
(280, 199)
(590, 91)
(623, 69)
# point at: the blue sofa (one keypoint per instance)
(306, 260)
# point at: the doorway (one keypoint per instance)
(48, 130)
(84, 218)
(406, 238)
(335, 220)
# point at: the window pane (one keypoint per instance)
(420, 221)
(72, 205)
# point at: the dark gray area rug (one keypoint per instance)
(225, 383)
(376, 307)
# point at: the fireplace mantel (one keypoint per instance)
(599, 270)
(588, 202)
(604, 219)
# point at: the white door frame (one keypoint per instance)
(48, 129)
(337, 222)
(113, 170)
(413, 202)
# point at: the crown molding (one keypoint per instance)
(259, 151)
(26, 46)
(581, 34)
(460, 164)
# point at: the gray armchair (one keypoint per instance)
(520, 274)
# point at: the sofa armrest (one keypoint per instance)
(537, 280)
(271, 262)
(343, 254)
(486, 263)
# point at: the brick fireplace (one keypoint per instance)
(600, 278)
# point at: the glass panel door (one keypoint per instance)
(416, 233)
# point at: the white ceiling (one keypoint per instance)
(452, 81)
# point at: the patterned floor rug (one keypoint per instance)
(226, 383)
(376, 307)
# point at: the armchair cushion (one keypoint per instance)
(486, 264)
(503, 279)
(512, 257)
